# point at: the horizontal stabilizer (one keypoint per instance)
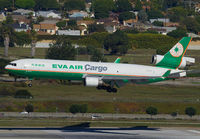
(167, 73)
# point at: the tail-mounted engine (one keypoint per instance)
(186, 61)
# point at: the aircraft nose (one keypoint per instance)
(7, 66)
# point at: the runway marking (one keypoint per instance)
(195, 131)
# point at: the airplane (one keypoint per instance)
(104, 75)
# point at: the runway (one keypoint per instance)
(99, 133)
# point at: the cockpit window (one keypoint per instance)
(13, 64)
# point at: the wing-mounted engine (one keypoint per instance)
(186, 61)
(93, 81)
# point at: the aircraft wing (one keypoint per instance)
(122, 80)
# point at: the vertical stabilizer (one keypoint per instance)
(173, 58)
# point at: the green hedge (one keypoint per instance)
(159, 42)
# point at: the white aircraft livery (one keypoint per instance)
(107, 75)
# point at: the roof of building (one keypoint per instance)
(69, 32)
(49, 22)
(87, 22)
(73, 11)
(23, 11)
(44, 26)
(36, 26)
(165, 20)
(20, 26)
(21, 18)
(45, 13)
(130, 21)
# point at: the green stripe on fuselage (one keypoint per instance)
(67, 75)
(47, 75)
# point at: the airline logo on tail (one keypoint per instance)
(177, 50)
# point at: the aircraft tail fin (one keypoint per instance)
(173, 58)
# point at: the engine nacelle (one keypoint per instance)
(156, 59)
(186, 61)
(93, 81)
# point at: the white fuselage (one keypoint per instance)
(86, 67)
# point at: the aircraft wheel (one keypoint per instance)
(29, 85)
(99, 87)
(104, 87)
(109, 89)
(114, 90)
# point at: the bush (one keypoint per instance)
(7, 91)
(98, 56)
(178, 33)
(62, 49)
(158, 23)
(153, 41)
(117, 42)
(23, 94)
(174, 114)
(3, 63)
(96, 28)
(29, 108)
(75, 108)
(190, 111)
(83, 108)
(151, 111)
(82, 50)
(126, 16)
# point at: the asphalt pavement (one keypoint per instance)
(99, 133)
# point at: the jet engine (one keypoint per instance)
(186, 61)
(93, 81)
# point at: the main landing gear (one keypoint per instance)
(108, 88)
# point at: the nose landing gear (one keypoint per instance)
(107, 88)
(29, 83)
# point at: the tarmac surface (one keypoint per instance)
(99, 133)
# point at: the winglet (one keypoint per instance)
(167, 73)
(117, 60)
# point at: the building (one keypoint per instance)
(2, 17)
(23, 12)
(47, 27)
(197, 8)
(19, 27)
(111, 28)
(130, 22)
(49, 14)
(164, 20)
(77, 15)
(85, 22)
(44, 43)
(162, 30)
(69, 32)
(21, 18)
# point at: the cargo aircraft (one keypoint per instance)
(107, 76)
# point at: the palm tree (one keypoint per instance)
(33, 42)
(6, 44)
(7, 31)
